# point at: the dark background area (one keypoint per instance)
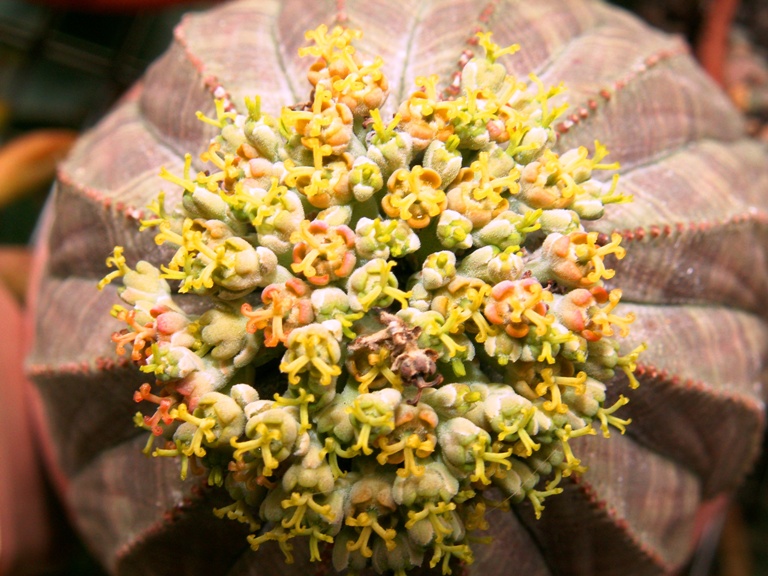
(63, 66)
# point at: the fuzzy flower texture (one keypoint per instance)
(380, 329)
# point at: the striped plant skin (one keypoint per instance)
(694, 275)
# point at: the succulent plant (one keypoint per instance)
(366, 322)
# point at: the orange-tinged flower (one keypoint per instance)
(286, 306)
(516, 305)
(414, 196)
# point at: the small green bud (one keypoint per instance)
(143, 288)
(506, 265)
(224, 331)
(384, 238)
(453, 230)
(394, 154)
(535, 141)
(438, 270)
(231, 138)
(228, 415)
(265, 139)
(559, 221)
(202, 203)
(365, 178)
(446, 162)
(483, 74)
(243, 394)
(475, 265)
(437, 484)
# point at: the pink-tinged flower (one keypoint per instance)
(163, 412)
(286, 306)
(136, 334)
(575, 260)
(580, 312)
(323, 253)
(516, 305)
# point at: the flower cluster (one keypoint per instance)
(390, 317)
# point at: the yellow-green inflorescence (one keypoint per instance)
(397, 314)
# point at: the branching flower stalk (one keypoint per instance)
(423, 286)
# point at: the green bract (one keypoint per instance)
(426, 289)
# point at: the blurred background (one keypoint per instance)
(63, 64)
